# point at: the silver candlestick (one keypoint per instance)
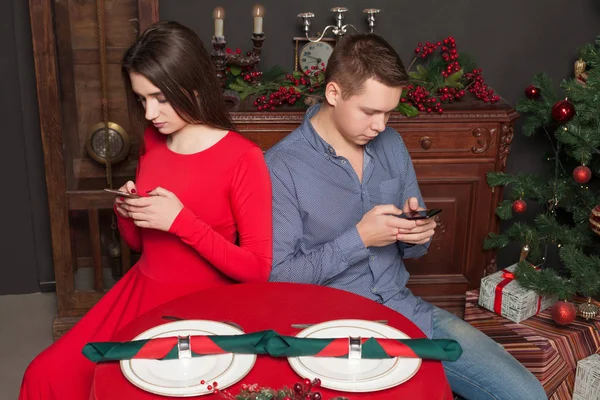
(339, 29)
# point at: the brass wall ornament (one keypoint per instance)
(116, 149)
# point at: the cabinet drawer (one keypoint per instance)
(451, 140)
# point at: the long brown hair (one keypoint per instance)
(362, 56)
(174, 59)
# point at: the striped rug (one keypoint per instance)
(548, 350)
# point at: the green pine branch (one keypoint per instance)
(545, 281)
(585, 270)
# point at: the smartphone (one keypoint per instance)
(421, 214)
(120, 193)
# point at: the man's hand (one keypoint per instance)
(157, 211)
(422, 229)
(380, 226)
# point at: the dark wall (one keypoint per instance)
(25, 249)
(511, 40)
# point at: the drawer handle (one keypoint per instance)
(426, 142)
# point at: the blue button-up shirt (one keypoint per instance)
(317, 202)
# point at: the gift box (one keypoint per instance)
(587, 379)
(501, 293)
(549, 351)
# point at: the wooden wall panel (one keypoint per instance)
(121, 23)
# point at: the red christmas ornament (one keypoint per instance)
(563, 111)
(595, 220)
(582, 174)
(532, 92)
(563, 312)
(519, 206)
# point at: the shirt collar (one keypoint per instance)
(311, 135)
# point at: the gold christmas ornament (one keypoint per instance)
(588, 310)
(579, 71)
(524, 252)
(579, 67)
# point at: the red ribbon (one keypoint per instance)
(508, 278)
(157, 348)
(392, 347)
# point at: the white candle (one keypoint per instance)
(258, 22)
(218, 27)
(219, 16)
(258, 12)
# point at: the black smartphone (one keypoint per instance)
(421, 214)
(120, 193)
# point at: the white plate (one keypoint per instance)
(182, 377)
(355, 375)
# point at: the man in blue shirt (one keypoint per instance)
(339, 183)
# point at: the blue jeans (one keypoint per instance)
(484, 370)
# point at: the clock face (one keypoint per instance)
(98, 143)
(314, 55)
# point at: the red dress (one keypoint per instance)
(221, 236)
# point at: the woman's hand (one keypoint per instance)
(129, 187)
(156, 211)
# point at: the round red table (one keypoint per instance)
(257, 307)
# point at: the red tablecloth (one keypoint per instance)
(275, 306)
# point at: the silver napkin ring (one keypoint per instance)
(183, 347)
(354, 348)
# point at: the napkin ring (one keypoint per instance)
(354, 348)
(183, 347)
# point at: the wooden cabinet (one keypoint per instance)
(452, 153)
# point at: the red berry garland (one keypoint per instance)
(418, 95)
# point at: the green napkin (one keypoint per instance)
(274, 344)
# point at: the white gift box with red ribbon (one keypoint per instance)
(587, 379)
(501, 293)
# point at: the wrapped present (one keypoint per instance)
(587, 379)
(501, 293)
(549, 351)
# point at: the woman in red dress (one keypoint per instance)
(203, 215)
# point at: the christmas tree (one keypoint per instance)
(568, 196)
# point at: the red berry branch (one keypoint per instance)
(426, 96)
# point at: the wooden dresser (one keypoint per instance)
(452, 153)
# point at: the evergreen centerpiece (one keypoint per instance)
(567, 196)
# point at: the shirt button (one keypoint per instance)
(372, 258)
(331, 150)
(374, 289)
(343, 161)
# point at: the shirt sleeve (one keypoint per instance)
(291, 262)
(250, 261)
(411, 189)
